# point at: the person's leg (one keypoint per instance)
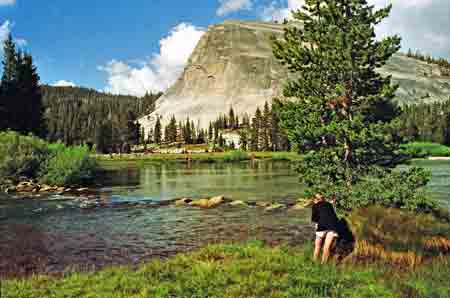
(318, 247)
(330, 237)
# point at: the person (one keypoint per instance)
(327, 223)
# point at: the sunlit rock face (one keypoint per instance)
(233, 66)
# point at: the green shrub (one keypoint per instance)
(21, 155)
(55, 164)
(68, 165)
(235, 156)
(423, 149)
(397, 189)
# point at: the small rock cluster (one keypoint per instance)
(29, 186)
(221, 200)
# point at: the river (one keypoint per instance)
(54, 235)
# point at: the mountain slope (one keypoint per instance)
(233, 65)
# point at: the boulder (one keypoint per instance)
(46, 188)
(183, 202)
(26, 186)
(88, 204)
(275, 207)
(238, 203)
(216, 201)
(202, 203)
(10, 189)
(263, 204)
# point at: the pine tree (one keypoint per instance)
(255, 131)
(171, 130)
(210, 132)
(335, 117)
(266, 128)
(231, 118)
(243, 138)
(8, 103)
(157, 131)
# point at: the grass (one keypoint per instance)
(236, 156)
(234, 271)
(424, 149)
(254, 270)
(231, 156)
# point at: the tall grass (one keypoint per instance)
(398, 237)
(21, 155)
(68, 165)
(234, 271)
(55, 164)
(235, 156)
(425, 149)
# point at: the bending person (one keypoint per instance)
(327, 225)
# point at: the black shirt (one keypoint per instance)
(324, 215)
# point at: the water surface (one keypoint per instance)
(53, 234)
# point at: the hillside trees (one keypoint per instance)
(339, 110)
(427, 122)
(21, 107)
(78, 116)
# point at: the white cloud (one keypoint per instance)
(278, 11)
(229, 6)
(5, 30)
(7, 2)
(161, 70)
(422, 24)
(64, 83)
(403, 3)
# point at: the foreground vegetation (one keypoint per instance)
(54, 164)
(411, 261)
(231, 156)
(426, 149)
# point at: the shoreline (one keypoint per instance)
(198, 157)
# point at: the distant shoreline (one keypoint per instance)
(439, 158)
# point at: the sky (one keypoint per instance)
(135, 46)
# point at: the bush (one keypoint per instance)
(55, 164)
(423, 149)
(21, 155)
(68, 165)
(235, 156)
(397, 189)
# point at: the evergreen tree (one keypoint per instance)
(231, 118)
(9, 106)
(157, 131)
(255, 131)
(266, 128)
(171, 130)
(338, 94)
(243, 137)
(210, 132)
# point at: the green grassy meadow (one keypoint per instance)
(412, 261)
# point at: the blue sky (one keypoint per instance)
(129, 46)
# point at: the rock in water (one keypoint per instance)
(215, 201)
(208, 203)
(183, 202)
(275, 207)
(233, 65)
(202, 203)
(238, 203)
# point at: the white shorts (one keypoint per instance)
(323, 234)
